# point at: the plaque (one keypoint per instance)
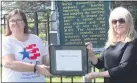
(68, 60)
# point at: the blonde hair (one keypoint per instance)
(131, 34)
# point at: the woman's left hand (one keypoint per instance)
(91, 75)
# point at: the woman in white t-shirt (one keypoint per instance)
(24, 57)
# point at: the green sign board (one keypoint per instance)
(83, 21)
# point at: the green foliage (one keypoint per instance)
(31, 25)
(42, 16)
(42, 35)
(28, 6)
(2, 29)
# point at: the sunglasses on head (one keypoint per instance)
(121, 21)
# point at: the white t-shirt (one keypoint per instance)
(30, 51)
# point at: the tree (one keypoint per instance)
(27, 6)
(31, 8)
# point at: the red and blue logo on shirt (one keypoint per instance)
(31, 52)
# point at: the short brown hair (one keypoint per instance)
(22, 14)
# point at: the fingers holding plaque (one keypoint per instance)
(68, 60)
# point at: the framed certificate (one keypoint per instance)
(68, 60)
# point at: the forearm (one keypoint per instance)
(93, 75)
(20, 66)
(46, 60)
(103, 74)
(93, 58)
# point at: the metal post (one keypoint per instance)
(36, 30)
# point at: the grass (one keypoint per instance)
(69, 79)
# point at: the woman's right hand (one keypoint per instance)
(89, 45)
(90, 48)
(44, 70)
(92, 56)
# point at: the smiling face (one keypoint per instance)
(16, 24)
(118, 20)
(119, 25)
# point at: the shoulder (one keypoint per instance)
(134, 43)
(35, 37)
(6, 39)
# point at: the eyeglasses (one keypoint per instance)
(16, 21)
(121, 21)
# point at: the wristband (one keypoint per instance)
(35, 67)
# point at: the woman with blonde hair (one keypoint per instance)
(119, 57)
(24, 57)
